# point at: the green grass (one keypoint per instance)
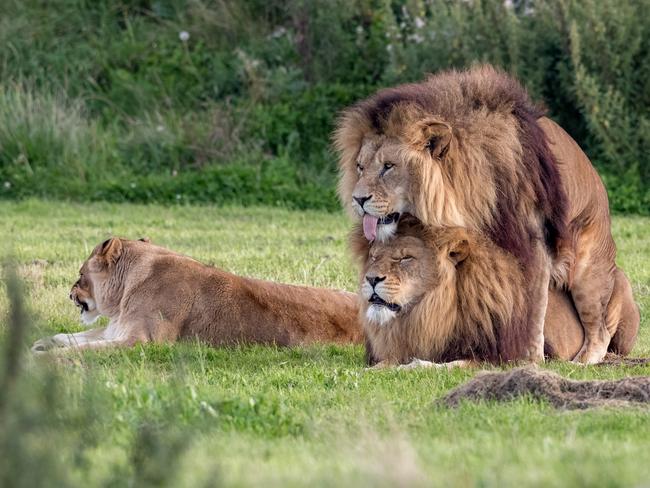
(197, 416)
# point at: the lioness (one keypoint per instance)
(449, 295)
(152, 294)
(470, 149)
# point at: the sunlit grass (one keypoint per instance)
(193, 415)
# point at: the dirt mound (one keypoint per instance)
(549, 386)
(612, 359)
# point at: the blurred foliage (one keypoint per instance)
(234, 101)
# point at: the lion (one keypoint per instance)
(448, 296)
(470, 149)
(152, 294)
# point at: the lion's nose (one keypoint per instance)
(362, 200)
(373, 280)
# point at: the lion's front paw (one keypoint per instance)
(379, 365)
(420, 363)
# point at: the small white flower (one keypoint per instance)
(132, 185)
(178, 196)
(359, 29)
(174, 173)
(184, 36)
(417, 38)
(207, 408)
(160, 128)
(279, 32)
(389, 47)
(7, 185)
(419, 23)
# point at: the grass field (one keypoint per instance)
(189, 415)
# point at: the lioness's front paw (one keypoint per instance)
(48, 343)
(44, 345)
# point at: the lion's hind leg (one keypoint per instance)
(623, 316)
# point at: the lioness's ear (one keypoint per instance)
(458, 251)
(145, 239)
(433, 135)
(111, 250)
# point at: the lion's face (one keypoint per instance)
(396, 276)
(381, 193)
(403, 169)
(92, 292)
(416, 263)
(82, 293)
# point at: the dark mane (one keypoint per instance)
(457, 97)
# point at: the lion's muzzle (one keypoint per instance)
(369, 289)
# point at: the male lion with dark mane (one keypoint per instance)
(470, 149)
(152, 294)
(447, 296)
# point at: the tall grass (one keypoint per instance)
(49, 145)
(247, 101)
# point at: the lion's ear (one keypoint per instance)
(434, 136)
(111, 250)
(145, 239)
(458, 251)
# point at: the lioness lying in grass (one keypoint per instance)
(152, 294)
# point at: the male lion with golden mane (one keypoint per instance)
(152, 294)
(470, 149)
(447, 296)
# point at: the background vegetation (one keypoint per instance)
(233, 101)
(191, 415)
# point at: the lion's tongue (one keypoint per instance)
(370, 226)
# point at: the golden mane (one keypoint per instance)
(476, 310)
(495, 171)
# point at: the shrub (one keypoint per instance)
(96, 95)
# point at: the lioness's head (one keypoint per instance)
(92, 291)
(397, 275)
